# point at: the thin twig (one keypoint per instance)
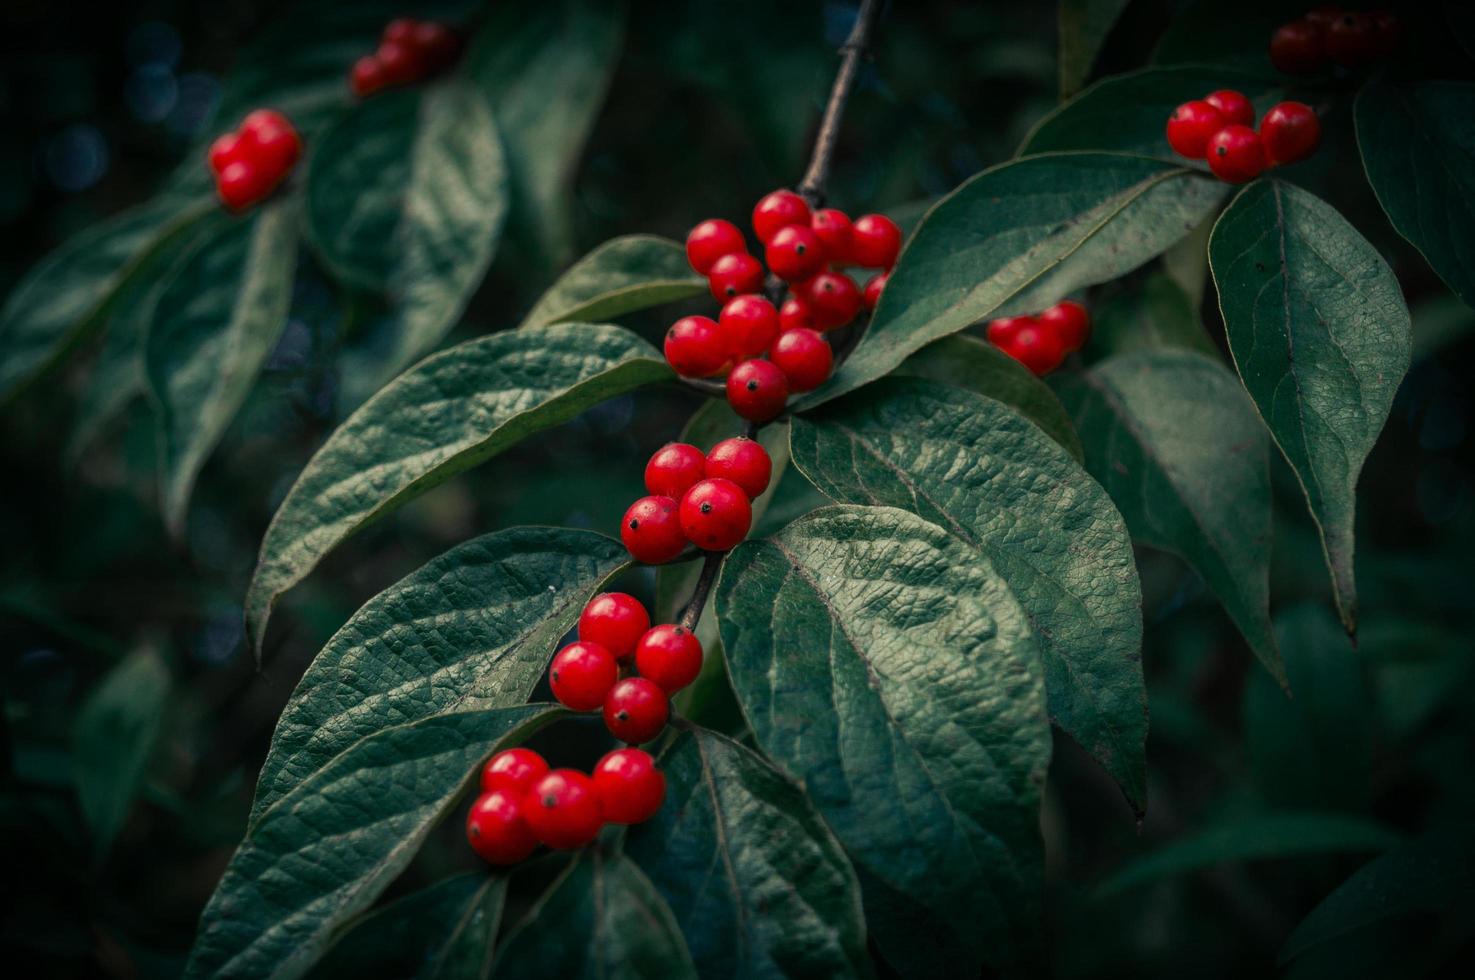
(693, 610)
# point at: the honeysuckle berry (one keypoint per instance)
(562, 809)
(716, 514)
(582, 674)
(1233, 106)
(834, 229)
(796, 312)
(630, 787)
(400, 63)
(1297, 48)
(496, 829)
(757, 390)
(778, 210)
(733, 275)
(748, 324)
(709, 241)
(1069, 322)
(1289, 132)
(795, 253)
(615, 621)
(1035, 348)
(1236, 154)
(804, 357)
(636, 710)
(439, 45)
(1190, 127)
(875, 241)
(1348, 40)
(401, 30)
(367, 76)
(513, 771)
(241, 184)
(1001, 331)
(834, 299)
(742, 460)
(669, 656)
(224, 151)
(871, 295)
(695, 347)
(271, 142)
(674, 468)
(651, 530)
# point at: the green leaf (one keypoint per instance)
(759, 885)
(213, 326)
(623, 275)
(450, 412)
(1175, 442)
(1418, 147)
(406, 196)
(325, 851)
(1084, 25)
(1201, 34)
(1017, 238)
(602, 920)
(476, 625)
(1321, 337)
(972, 466)
(976, 365)
(1157, 315)
(884, 664)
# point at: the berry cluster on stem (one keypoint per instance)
(409, 51)
(1330, 35)
(1218, 128)
(1042, 342)
(251, 162)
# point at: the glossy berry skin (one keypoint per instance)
(669, 656)
(224, 151)
(834, 230)
(636, 710)
(709, 241)
(1236, 155)
(748, 325)
(400, 63)
(651, 530)
(271, 142)
(1297, 48)
(733, 275)
(871, 295)
(1069, 323)
(796, 312)
(716, 514)
(1191, 125)
(514, 771)
(241, 185)
(615, 621)
(742, 460)
(804, 357)
(562, 809)
(695, 347)
(1289, 132)
(875, 241)
(776, 211)
(834, 298)
(1036, 349)
(630, 787)
(496, 830)
(674, 468)
(795, 253)
(1233, 106)
(582, 674)
(1001, 331)
(1349, 40)
(757, 390)
(366, 77)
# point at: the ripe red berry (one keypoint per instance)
(795, 253)
(748, 325)
(733, 275)
(710, 240)
(695, 347)
(1070, 324)
(871, 295)
(1233, 106)
(757, 390)
(1297, 48)
(496, 830)
(1289, 132)
(224, 151)
(1001, 331)
(804, 357)
(651, 530)
(514, 771)
(1036, 349)
(716, 514)
(776, 211)
(674, 468)
(1236, 155)
(834, 299)
(562, 809)
(796, 312)
(439, 46)
(742, 460)
(615, 621)
(1191, 125)
(636, 710)
(1349, 40)
(241, 184)
(630, 787)
(401, 30)
(875, 241)
(367, 76)
(400, 63)
(669, 657)
(582, 674)
(271, 142)
(833, 228)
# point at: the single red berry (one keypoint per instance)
(669, 656)
(651, 530)
(1236, 154)
(401, 30)
(757, 390)
(695, 347)
(224, 151)
(1069, 323)
(875, 241)
(1036, 349)
(636, 710)
(1191, 125)
(1001, 331)
(795, 253)
(496, 830)
(710, 240)
(367, 76)
(615, 621)
(834, 299)
(562, 809)
(1289, 132)
(271, 141)
(716, 514)
(1233, 106)
(742, 460)
(582, 674)
(733, 275)
(776, 211)
(796, 312)
(400, 63)
(871, 295)
(514, 771)
(241, 185)
(834, 229)
(1349, 40)
(1298, 48)
(748, 325)
(804, 357)
(439, 46)
(630, 787)
(674, 468)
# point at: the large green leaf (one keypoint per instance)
(447, 414)
(1418, 147)
(1321, 337)
(1154, 315)
(1018, 237)
(1084, 25)
(324, 852)
(969, 464)
(887, 666)
(213, 326)
(624, 274)
(1177, 445)
(759, 885)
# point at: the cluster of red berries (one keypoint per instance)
(767, 351)
(706, 500)
(1218, 128)
(252, 161)
(1041, 342)
(1346, 38)
(409, 51)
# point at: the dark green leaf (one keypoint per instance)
(1157, 315)
(1084, 25)
(1200, 34)
(624, 274)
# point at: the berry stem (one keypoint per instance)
(693, 610)
(855, 48)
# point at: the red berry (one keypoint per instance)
(630, 787)
(833, 228)
(776, 211)
(834, 298)
(1036, 349)
(367, 76)
(674, 468)
(271, 141)
(1002, 331)
(582, 674)
(1297, 48)
(734, 274)
(669, 656)
(796, 312)
(496, 830)
(562, 809)
(400, 63)
(514, 771)
(1236, 154)
(636, 710)
(875, 241)
(651, 530)
(742, 460)
(748, 325)
(804, 357)
(615, 621)
(871, 295)
(1233, 106)
(224, 151)
(1349, 40)
(439, 46)
(241, 185)
(716, 514)
(757, 390)
(1289, 132)
(795, 253)
(401, 30)
(709, 241)
(1069, 323)
(695, 347)
(1191, 125)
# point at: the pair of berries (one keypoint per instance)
(409, 51)
(703, 499)
(1041, 342)
(1218, 128)
(523, 803)
(252, 161)
(1346, 38)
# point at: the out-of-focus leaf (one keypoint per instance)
(1201, 34)
(1084, 25)
(624, 274)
